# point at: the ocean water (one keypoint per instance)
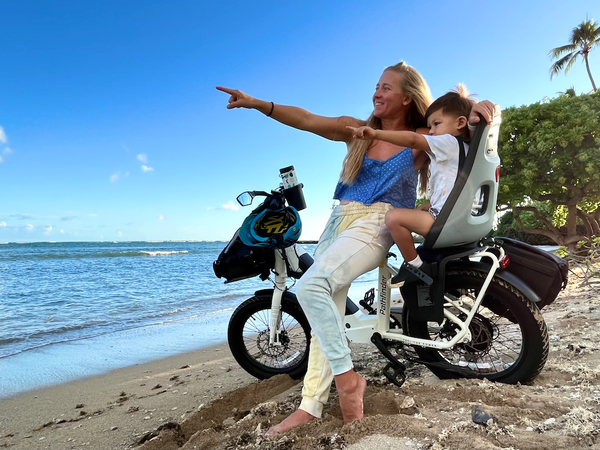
(75, 309)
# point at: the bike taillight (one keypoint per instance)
(505, 261)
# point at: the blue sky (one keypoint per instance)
(111, 127)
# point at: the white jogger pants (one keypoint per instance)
(354, 242)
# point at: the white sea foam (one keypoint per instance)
(164, 253)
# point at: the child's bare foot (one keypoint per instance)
(297, 418)
(351, 389)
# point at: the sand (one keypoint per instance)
(203, 400)
(117, 409)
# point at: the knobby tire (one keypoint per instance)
(248, 337)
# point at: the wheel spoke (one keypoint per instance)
(256, 340)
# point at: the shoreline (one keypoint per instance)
(93, 412)
(69, 361)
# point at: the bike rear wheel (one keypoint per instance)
(509, 336)
(248, 337)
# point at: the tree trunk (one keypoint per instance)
(587, 66)
(571, 223)
(552, 232)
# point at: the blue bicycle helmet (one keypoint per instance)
(272, 228)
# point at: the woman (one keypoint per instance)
(376, 177)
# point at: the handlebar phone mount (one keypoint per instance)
(292, 190)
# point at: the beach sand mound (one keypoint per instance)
(559, 410)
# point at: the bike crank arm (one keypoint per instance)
(395, 370)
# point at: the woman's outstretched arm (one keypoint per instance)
(332, 128)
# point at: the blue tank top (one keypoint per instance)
(392, 181)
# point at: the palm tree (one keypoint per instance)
(570, 92)
(583, 38)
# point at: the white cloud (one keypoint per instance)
(3, 137)
(161, 217)
(146, 168)
(120, 234)
(62, 231)
(29, 227)
(7, 151)
(2, 224)
(142, 157)
(115, 177)
(230, 206)
(47, 229)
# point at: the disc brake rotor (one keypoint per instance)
(262, 342)
(482, 336)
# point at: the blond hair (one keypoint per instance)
(413, 85)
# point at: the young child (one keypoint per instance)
(447, 120)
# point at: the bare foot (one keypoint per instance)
(351, 389)
(297, 418)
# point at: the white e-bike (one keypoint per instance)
(476, 319)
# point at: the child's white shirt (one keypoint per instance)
(444, 152)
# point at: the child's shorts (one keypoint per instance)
(434, 212)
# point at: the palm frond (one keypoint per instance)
(556, 52)
(563, 63)
(571, 62)
(587, 33)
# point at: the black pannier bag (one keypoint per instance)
(238, 261)
(544, 272)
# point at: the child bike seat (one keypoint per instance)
(468, 214)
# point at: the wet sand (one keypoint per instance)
(117, 409)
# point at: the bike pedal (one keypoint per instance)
(395, 374)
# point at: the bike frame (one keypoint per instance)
(280, 285)
(360, 327)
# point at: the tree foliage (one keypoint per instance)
(550, 153)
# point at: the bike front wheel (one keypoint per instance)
(248, 337)
(509, 338)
